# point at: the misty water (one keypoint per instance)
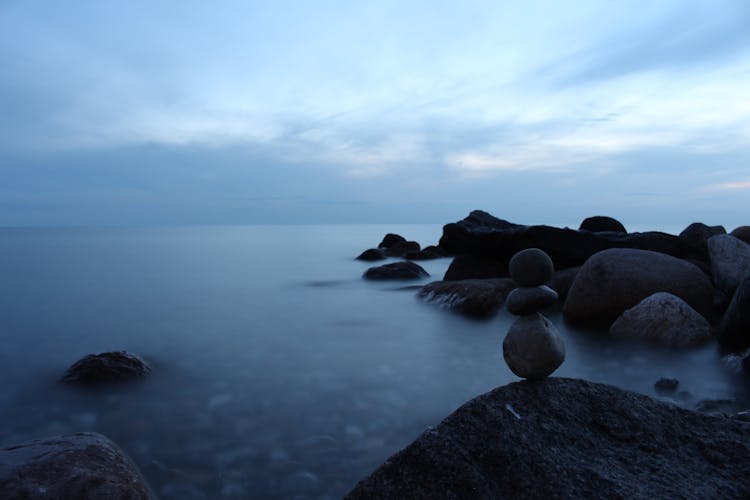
(277, 371)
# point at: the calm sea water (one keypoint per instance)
(278, 371)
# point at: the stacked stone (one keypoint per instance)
(533, 348)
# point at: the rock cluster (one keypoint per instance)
(532, 348)
(395, 245)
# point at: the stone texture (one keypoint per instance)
(466, 267)
(73, 467)
(527, 300)
(107, 367)
(532, 348)
(396, 271)
(372, 254)
(564, 438)
(734, 331)
(730, 261)
(617, 279)
(601, 223)
(665, 319)
(477, 298)
(531, 267)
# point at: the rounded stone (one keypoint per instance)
(602, 223)
(107, 367)
(532, 348)
(530, 299)
(531, 267)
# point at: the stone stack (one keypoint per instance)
(533, 348)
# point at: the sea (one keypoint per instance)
(278, 372)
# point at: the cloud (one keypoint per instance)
(730, 186)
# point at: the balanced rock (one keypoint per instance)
(466, 267)
(617, 279)
(734, 331)
(117, 366)
(665, 319)
(478, 298)
(531, 267)
(396, 271)
(372, 254)
(530, 299)
(532, 348)
(602, 224)
(743, 233)
(730, 261)
(73, 467)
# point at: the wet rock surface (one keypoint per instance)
(478, 298)
(107, 367)
(396, 271)
(567, 438)
(71, 467)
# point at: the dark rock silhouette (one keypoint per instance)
(391, 239)
(743, 233)
(107, 367)
(602, 224)
(697, 234)
(734, 332)
(372, 254)
(396, 271)
(466, 267)
(478, 298)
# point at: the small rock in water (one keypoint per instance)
(530, 299)
(391, 239)
(532, 348)
(666, 384)
(372, 254)
(396, 271)
(106, 367)
(531, 267)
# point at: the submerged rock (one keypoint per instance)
(478, 298)
(565, 438)
(602, 224)
(531, 267)
(396, 271)
(73, 467)
(117, 366)
(532, 348)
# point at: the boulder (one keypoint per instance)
(427, 253)
(478, 298)
(562, 281)
(730, 261)
(465, 267)
(617, 279)
(743, 233)
(566, 438)
(391, 239)
(665, 319)
(527, 300)
(72, 467)
(402, 248)
(532, 348)
(396, 271)
(734, 331)
(106, 367)
(602, 224)
(531, 267)
(481, 234)
(697, 234)
(372, 254)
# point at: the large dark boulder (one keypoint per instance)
(743, 233)
(73, 467)
(734, 331)
(565, 438)
(467, 267)
(477, 298)
(391, 239)
(483, 235)
(402, 248)
(107, 367)
(396, 271)
(697, 234)
(617, 279)
(602, 224)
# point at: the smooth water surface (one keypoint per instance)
(278, 371)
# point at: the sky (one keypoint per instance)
(243, 112)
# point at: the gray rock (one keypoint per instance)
(665, 319)
(530, 299)
(478, 298)
(107, 367)
(743, 233)
(565, 438)
(532, 348)
(602, 224)
(73, 467)
(734, 331)
(730, 261)
(614, 280)
(531, 267)
(396, 271)
(372, 254)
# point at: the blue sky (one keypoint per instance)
(145, 112)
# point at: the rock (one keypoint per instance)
(391, 239)
(743, 416)
(482, 235)
(465, 267)
(402, 248)
(697, 234)
(478, 298)
(107, 367)
(734, 331)
(527, 300)
(427, 253)
(531, 267)
(372, 254)
(730, 261)
(617, 279)
(565, 438)
(743, 233)
(73, 467)
(601, 224)
(532, 348)
(666, 385)
(396, 271)
(665, 319)
(562, 281)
